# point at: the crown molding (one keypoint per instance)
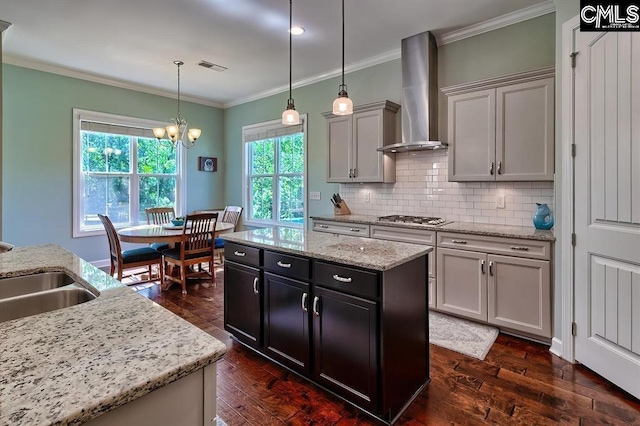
(4, 25)
(499, 22)
(369, 62)
(83, 75)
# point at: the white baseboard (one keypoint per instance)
(556, 347)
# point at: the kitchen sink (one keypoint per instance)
(44, 301)
(27, 284)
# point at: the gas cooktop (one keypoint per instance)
(413, 219)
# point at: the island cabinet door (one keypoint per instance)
(345, 338)
(242, 313)
(286, 321)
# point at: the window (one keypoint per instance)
(121, 169)
(275, 174)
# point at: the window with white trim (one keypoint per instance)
(120, 169)
(275, 174)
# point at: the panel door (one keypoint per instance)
(519, 294)
(368, 135)
(525, 131)
(345, 338)
(242, 306)
(607, 206)
(472, 136)
(461, 287)
(286, 321)
(339, 135)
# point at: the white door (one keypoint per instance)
(607, 206)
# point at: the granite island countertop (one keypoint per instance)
(69, 366)
(490, 230)
(366, 253)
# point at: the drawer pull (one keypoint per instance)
(491, 268)
(354, 230)
(324, 226)
(240, 253)
(283, 265)
(482, 266)
(519, 248)
(255, 285)
(304, 301)
(458, 241)
(316, 300)
(342, 279)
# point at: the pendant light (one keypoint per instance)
(290, 116)
(342, 105)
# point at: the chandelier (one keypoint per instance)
(177, 129)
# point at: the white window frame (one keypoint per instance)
(78, 184)
(259, 127)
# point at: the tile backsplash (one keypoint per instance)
(422, 189)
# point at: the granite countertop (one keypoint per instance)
(524, 232)
(69, 366)
(366, 253)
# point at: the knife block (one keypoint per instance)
(342, 210)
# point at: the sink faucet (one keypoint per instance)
(5, 247)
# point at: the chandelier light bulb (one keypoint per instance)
(158, 132)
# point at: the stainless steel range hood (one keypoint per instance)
(419, 95)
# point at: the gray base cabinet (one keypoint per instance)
(462, 283)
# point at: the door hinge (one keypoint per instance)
(573, 149)
(574, 329)
(573, 59)
(573, 239)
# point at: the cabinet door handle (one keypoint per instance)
(342, 279)
(458, 241)
(499, 167)
(283, 265)
(324, 226)
(491, 168)
(354, 230)
(255, 285)
(304, 302)
(350, 173)
(522, 248)
(482, 266)
(355, 172)
(491, 268)
(240, 253)
(316, 300)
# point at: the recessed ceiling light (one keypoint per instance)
(297, 30)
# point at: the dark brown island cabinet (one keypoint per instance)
(358, 332)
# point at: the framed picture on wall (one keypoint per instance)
(207, 164)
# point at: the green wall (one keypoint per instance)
(520, 47)
(37, 167)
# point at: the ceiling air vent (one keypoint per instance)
(211, 66)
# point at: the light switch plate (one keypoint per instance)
(367, 197)
(500, 201)
(314, 195)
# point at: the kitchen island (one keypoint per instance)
(118, 359)
(347, 313)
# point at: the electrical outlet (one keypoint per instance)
(367, 197)
(314, 195)
(500, 201)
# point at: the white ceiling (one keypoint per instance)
(135, 41)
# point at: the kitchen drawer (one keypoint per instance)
(343, 228)
(405, 235)
(242, 254)
(531, 249)
(287, 266)
(350, 280)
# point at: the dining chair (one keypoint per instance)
(231, 214)
(195, 248)
(159, 216)
(135, 258)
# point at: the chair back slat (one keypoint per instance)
(159, 215)
(197, 235)
(112, 236)
(232, 215)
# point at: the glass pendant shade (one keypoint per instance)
(342, 105)
(194, 134)
(158, 132)
(290, 117)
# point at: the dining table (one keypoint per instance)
(167, 233)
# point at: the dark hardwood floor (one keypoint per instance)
(519, 382)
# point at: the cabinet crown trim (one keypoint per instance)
(492, 83)
(373, 106)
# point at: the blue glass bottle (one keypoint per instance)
(542, 218)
